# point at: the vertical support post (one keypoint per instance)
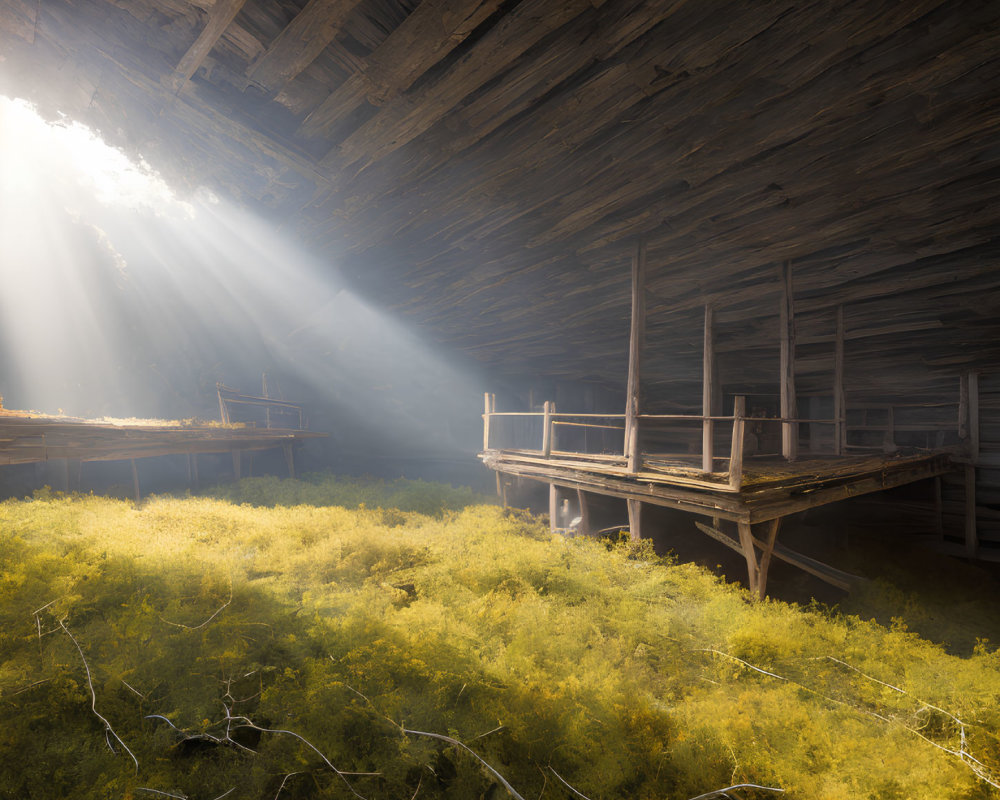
(963, 407)
(839, 398)
(553, 507)
(789, 430)
(973, 383)
(290, 459)
(193, 470)
(971, 534)
(581, 497)
(547, 410)
(736, 446)
(707, 393)
(237, 464)
(486, 421)
(746, 542)
(765, 556)
(637, 334)
(135, 482)
(634, 519)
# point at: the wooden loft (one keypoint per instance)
(28, 437)
(720, 465)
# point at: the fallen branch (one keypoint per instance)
(565, 783)
(722, 792)
(93, 700)
(202, 625)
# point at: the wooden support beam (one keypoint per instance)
(831, 575)
(486, 420)
(789, 430)
(548, 409)
(634, 519)
(584, 527)
(431, 31)
(192, 470)
(553, 507)
(839, 397)
(408, 116)
(237, 464)
(300, 43)
(971, 532)
(637, 336)
(770, 537)
(222, 13)
(973, 384)
(736, 445)
(746, 543)
(290, 459)
(707, 393)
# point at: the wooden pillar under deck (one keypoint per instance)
(757, 569)
(584, 527)
(553, 507)
(192, 470)
(290, 460)
(237, 465)
(634, 519)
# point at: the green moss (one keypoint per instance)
(346, 621)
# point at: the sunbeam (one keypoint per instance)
(122, 298)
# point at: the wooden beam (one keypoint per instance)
(584, 526)
(736, 445)
(707, 392)
(636, 339)
(548, 410)
(222, 13)
(973, 383)
(746, 543)
(839, 398)
(765, 555)
(290, 459)
(634, 519)
(486, 421)
(431, 31)
(553, 507)
(789, 430)
(408, 116)
(300, 43)
(237, 464)
(831, 575)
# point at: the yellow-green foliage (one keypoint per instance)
(628, 676)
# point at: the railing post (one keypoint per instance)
(707, 391)
(736, 447)
(637, 333)
(547, 428)
(486, 421)
(789, 430)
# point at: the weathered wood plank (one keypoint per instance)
(299, 44)
(428, 34)
(223, 12)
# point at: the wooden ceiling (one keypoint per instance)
(485, 167)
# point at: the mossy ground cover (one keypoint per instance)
(251, 650)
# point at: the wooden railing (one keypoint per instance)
(544, 438)
(230, 397)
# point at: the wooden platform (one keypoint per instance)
(767, 489)
(27, 438)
